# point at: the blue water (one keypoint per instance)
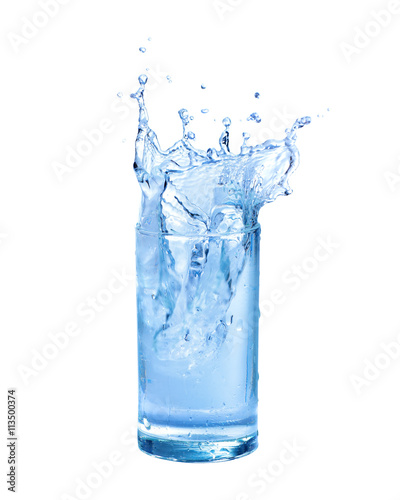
(197, 254)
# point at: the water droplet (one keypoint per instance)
(143, 79)
(192, 117)
(224, 138)
(300, 122)
(149, 39)
(169, 79)
(254, 117)
(191, 136)
(257, 95)
(184, 116)
(142, 49)
(203, 86)
(205, 110)
(124, 139)
(120, 94)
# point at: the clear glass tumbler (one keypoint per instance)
(198, 312)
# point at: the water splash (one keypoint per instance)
(188, 191)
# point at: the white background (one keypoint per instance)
(62, 240)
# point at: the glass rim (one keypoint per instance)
(246, 230)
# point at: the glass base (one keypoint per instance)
(196, 451)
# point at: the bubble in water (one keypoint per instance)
(205, 110)
(255, 117)
(203, 86)
(120, 94)
(142, 49)
(257, 95)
